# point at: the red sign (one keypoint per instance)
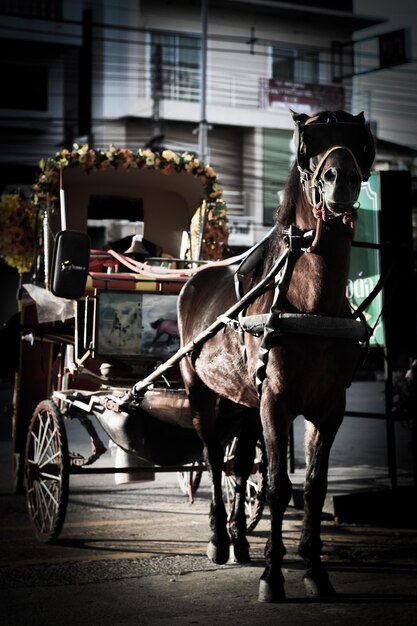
(275, 95)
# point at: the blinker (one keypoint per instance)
(316, 138)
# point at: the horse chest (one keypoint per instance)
(311, 373)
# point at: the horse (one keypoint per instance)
(167, 328)
(275, 374)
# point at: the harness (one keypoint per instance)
(277, 322)
(309, 140)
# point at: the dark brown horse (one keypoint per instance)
(281, 375)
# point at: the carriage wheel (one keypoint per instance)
(47, 471)
(255, 486)
(189, 481)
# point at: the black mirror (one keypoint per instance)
(70, 264)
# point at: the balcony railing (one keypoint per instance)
(246, 91)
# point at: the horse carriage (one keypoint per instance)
(108, 318)
(289, 345)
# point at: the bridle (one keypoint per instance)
(313, 188)
(311, 141)
(312, 184)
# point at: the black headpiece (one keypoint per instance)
(317, 134)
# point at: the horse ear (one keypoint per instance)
(299, 118)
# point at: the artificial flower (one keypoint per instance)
(17, 231)
(46, 186)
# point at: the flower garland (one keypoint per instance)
(17, 231)
(216, 232)
(166, 161)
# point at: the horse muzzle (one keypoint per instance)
(339, 196)
(339, 208)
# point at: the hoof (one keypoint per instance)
(240, 554)
(269, 593)
(319, 588)
(218, 554)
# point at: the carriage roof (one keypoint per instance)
(170, 188)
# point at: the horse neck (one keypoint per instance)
(318, 284)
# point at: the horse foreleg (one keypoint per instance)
(243, 464)
(219, 545)
(318, 445)
(271, 584)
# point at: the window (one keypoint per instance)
(175, 62)
(292, 65)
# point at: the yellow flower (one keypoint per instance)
(45, 187)
(17, 231)
(216, 191)
(169, 155)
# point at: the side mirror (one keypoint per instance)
(70, 264)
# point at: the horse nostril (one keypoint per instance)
(330, 175)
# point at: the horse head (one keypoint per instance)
(335, 152)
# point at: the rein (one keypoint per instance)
(133, 395)
(322, 214)
(268, 325)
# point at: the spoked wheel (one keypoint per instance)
(189, 481)
(47, 471)
(255, 486)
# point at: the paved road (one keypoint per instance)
(135, 554)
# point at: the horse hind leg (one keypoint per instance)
(203, 408)
(242, 466)
(318, 445)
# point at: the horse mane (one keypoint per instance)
(284, 216)
(285, 213)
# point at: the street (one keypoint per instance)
(135, 553)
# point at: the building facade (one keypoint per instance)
(139, 73)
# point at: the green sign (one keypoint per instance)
(365, 262)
